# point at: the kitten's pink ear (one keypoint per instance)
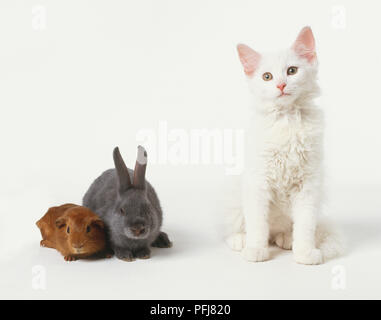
(249, 58)
(304, 45)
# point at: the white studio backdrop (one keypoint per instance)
(80, 77)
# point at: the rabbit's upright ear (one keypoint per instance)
(140, 169)
(122, 171)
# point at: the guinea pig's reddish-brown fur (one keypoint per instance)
(73, 230)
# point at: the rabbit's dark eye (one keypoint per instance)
(88, 229)
(68, 230)
(122, 211)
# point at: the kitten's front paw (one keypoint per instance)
(256, 254)
(310, 257)
(236, 241)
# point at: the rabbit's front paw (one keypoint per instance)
(256, 254)
(124, 255)
(311, 257)
(143, 253)
(162, 241)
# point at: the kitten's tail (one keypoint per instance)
(329, 239)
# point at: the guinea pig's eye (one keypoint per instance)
(122, 211)
(68, 230)
(292, 70)
(88, 229)
(267, 76)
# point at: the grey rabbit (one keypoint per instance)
(129, 207)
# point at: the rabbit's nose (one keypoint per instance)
(78, 246)
(138, 230)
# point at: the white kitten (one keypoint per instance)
(281, 197)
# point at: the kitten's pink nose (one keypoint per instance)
(281, 86)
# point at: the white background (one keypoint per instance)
(100, 71)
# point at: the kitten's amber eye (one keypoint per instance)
(267, 76)
(68, 230)
(292, 70)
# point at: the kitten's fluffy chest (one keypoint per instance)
(288, 151)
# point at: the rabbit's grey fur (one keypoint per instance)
(123, 207)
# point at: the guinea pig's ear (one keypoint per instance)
(140, 169)
(122, 171)
(60, 222)
(97, 222)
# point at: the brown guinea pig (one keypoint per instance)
(73, 230)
